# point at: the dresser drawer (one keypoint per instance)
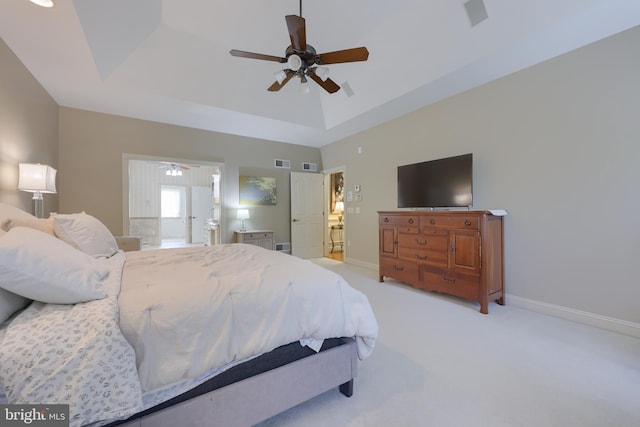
(410, 221)
(454, 221)
(450, 282)
(433, 242)
(436, 258)
(405, 271)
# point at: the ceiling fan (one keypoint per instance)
(303, 61)
(175, 169)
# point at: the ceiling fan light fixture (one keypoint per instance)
(280, 76)
(323, 73)
(304, 85)
(294, 62)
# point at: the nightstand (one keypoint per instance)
(336, 236)
(262, 238)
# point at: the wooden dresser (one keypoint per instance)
(458, 253)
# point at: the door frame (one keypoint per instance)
(126, 157)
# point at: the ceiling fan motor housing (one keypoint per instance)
(301, 62)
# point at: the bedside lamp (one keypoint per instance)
(37, 179)
(242, 214)
(339, 209)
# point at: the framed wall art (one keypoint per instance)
(258, 190)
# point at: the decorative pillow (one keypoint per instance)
(40, 267)
(9, 211)
(41, 224)
(85, 233)
(10, 303)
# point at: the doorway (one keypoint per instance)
(335, 206)
(171, 203)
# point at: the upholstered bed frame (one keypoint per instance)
(259, 389)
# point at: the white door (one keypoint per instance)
(307, 215)
(200, 210)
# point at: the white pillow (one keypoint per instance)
(10, 303)
(86, 233)
(38, 266)
(41, 224)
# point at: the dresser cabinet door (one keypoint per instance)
(388, 241)
(464, 251)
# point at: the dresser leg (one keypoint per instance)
(484, 307)
(500, 300)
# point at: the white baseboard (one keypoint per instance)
(359, 263)
(603, 322)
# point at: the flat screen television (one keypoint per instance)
(441, 183)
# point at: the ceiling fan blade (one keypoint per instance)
(347, 55)
(328, 85)
(297, 32)
(277, 86)
(244, 54)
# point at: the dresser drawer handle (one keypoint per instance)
(386, 219)
(432, 221)
(446, 279)
(398, 268)
(410, 220)
(421, 257)
(424, 242)
(467, 222)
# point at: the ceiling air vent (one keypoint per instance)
(282, 164)
(311, 167)
(476, 11)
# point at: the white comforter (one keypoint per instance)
(188, 311)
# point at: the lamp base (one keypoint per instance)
(38, 205)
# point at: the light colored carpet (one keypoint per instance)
(439, 362)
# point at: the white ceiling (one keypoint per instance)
(168, 60)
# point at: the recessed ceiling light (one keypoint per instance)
(43, 3)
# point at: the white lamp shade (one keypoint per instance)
(339, 207)
(43, 3)
(294, 62)
(242, 214)
(280, 76)
(323, 73)
(37, 178)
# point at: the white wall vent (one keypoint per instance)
(282, 164)
(311, 167)
(283, 247)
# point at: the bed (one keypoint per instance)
(230, 334)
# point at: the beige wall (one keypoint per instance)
(28, 129)
(91, 152)
(558, 146)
